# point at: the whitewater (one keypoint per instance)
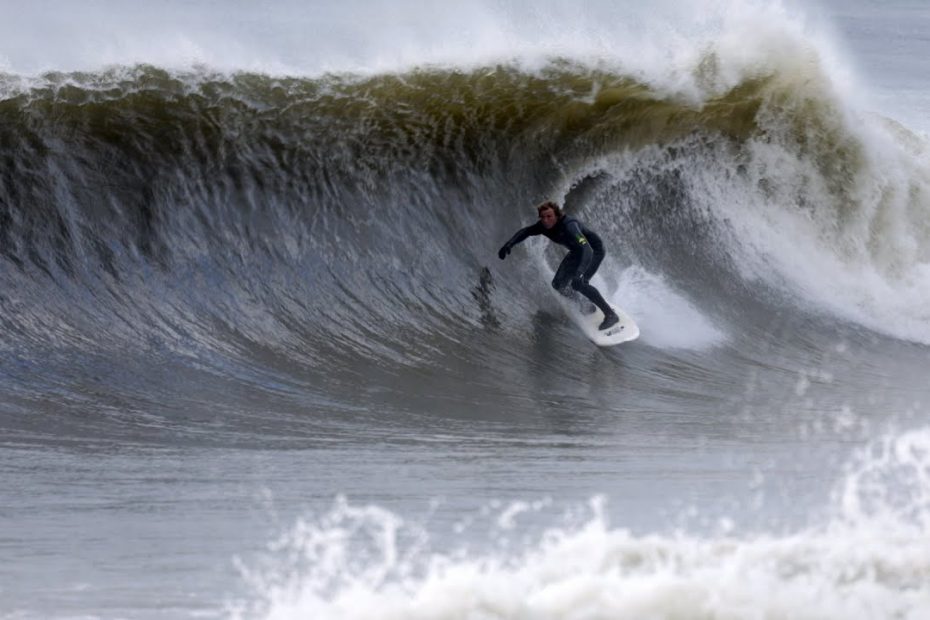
(259, 358)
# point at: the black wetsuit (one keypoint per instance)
(585, 253)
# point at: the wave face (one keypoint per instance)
(279, 232)
(333, 184)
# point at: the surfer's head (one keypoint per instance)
(549, 214)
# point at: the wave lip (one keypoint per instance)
(309, 39)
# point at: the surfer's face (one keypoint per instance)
(548, 218)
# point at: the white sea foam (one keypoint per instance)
(665, 317)
(854, 244)
(828, 203)
(868, 560)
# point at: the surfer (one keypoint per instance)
(585, 253)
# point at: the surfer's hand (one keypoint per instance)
(504, 251)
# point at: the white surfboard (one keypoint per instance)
(624, 331)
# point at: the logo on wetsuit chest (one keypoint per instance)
(582, 240)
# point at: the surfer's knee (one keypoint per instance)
(562, 288)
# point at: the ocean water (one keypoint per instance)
(259, 359)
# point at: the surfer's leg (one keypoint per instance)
(595, 263)
(562, 282)
(610, 317)
(593, 294)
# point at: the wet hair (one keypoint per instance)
(549, 205)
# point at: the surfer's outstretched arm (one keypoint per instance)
(519, 237)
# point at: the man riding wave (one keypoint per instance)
(585, 253)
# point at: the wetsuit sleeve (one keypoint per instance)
(523, 233)
(579, 243)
